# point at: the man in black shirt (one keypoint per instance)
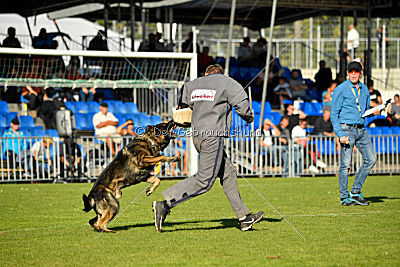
(323, 78)
(11, 40)
(323, 125)
(375, 95)
(294, 118)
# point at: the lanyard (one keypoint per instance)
(357, 97)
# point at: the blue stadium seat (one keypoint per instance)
(80, 121)
(89, 121)
(107, 93)
(26, 121)
(375, 131)
(119, 107)
(287, 102)
(80, 107)
(396, 130)
(254, 72)
(2, 130)
(233, 62)
(141, 119)
(131, 107)
(26, 130)
(92, 106)
(4, 107)
(3, 122)
(234, 72)
(220, 61)
(386, 130)
(120, 118)
(68, 105)
(368, 120)
(10, 116)
(256, 107)
(37, 131)
(51, 132)
(245, 74)
(267, 107)
(287, 74)
(155, 119)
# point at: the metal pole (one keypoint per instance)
(384, 48)
(228, 51)
(179, 38)
(106, 19)
(311, 43)
(264, 93)
(342, 59)
(318, 44)
(171, 21)
(29, 29)
(194, 42)
(143, 12)
(62, 37)
(132, 11)
(369, 43)
(193, 155)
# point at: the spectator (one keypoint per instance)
(34, 95)
(73, 73)
(284, 142)
(394, 111)
(187, 46)
(323, 125)
(283, 91)
(260, 52)
(105, 123)
(327, 94)
(11, 40)
(129, 128)
(160, 47)
(98, 43)
(70, 158)
(269, 130)
(13, 147)
(47, 110)
(41, 153)
(352, 41)
(44, 40)
(299, 136)
(375, 95)
(323, 78)
(150, 45)
(298, 87)
(245, 54)
(294, 115)
(204, 60)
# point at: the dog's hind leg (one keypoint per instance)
(155, 183)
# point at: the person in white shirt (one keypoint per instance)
(299, 136)
(105, 125)
(352, 41)
(267, 142)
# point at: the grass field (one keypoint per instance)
(43, 224)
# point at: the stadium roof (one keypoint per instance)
(254, 14)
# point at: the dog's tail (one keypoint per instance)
(88, 203)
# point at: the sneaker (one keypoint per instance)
(321, 164)
(161, 210)
(249, 220)
(313, 169)
(347, 202)
(359, 199)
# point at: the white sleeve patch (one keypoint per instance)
(203, 95)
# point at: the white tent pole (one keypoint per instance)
(264, 94)
(228, 51)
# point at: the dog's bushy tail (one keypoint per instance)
(88, 203)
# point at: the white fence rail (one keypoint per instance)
(54, 159)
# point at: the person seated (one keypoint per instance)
(205, 60)
(268, 142)
(44, 39)
(98, 43)
(150, 45)
(260, 52)
(41, 154)
(283, 91)
(298, 86)
(294, 115)
(299, 136)
(323, 125)
(394, 111)
(73, 73)
(11, 40)
(12, 148)
(160, 47)
(129, 128)
(187, 46)
(327, 94)
(70, 158)
(374, 95)
(105, 123)
(323, 77)
(283, 142)
(245, 54)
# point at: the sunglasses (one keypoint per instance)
(354, 72)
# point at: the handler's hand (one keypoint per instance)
(344, 140)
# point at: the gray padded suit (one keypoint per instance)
(211, 99)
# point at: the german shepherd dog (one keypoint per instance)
(132, 165)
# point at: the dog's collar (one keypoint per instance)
(154, 146)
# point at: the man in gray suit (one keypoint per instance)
(211, 98)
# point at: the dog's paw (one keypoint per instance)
(149, 191)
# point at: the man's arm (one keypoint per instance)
(237, 97)
(336, 107)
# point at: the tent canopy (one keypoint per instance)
(254, 14)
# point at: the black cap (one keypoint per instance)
(104, 105)
(354, 65)
(15, 121)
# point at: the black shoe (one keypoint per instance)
(249, 220)
(161, 210)
(359, 199)
(347, 202)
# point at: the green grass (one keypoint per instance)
(43, 224)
